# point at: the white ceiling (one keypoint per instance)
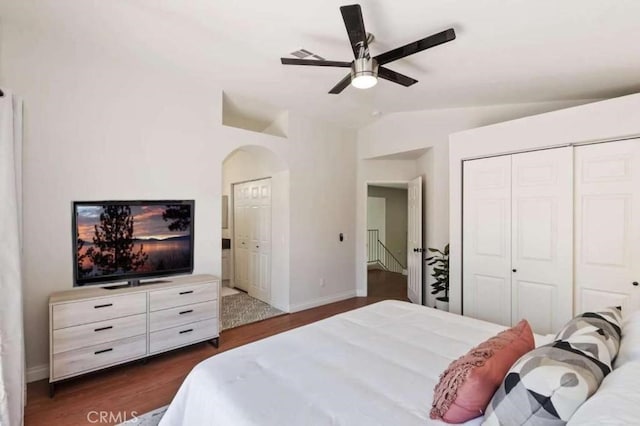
(507, 51)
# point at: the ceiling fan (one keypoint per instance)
(365, 70)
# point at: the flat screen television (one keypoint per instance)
(130, 240)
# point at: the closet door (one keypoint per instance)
(607, 200)
(542, 238)
(487, 239)
(241, 222)
(260, 240)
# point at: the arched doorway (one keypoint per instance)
(255, 255)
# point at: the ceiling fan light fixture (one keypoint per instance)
(364, 73)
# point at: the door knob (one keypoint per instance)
(514, 270)
(635, 283)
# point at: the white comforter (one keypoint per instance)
(376, 365)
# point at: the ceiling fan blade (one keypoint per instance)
(315, 62)
(395, 77)
(416, 46)
(338, 88)
(352, 16)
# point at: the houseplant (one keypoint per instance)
(440, 263)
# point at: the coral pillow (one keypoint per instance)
(468, 384)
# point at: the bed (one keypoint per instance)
(375, 365)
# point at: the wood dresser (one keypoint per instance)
(94, 328)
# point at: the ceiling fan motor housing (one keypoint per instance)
(364, 69)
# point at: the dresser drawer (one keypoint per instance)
(80, 336)
(77, 313)
(181, 315)
(180, 296)
(178, 336)
(97, 356)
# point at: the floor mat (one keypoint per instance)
(239, 309)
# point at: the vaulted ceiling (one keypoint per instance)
(506, 51)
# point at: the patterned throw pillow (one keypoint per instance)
(547, 385)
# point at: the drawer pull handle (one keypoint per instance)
(186, 331)
(186, 292)
(103, 351)
(103, 328)
(106, 305)
(186, 312)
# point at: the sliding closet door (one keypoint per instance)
(542, 238)
(607, 201)
(487, 239)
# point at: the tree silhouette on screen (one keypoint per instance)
(113, 242)
(80, 257)
(180, 217)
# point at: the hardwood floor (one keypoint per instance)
(386, 285)
(137, 388)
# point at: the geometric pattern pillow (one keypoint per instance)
(547, 385)
(607, 323)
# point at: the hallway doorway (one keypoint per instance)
(255, 189)
(387, 232)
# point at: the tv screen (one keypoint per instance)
(129, 240)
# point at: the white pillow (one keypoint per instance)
(617, 401)
(631, 305)
(630, 343)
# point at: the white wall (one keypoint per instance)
(100, 125)
(606, 120)
(424, 138)
(251, 163)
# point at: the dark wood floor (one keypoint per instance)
(140, 388)
(386, 285)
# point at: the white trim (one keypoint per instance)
(322, 301)
(37, 372)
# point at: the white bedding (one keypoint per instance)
(376, 365)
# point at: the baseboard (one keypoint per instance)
(37, 372)
(322, 301)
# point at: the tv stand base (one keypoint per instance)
(92, 328)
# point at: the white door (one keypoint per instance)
(240, 246)
(415, 256)
(486, 238)
(607, 225)
(260, 241)
(542, 238)
(377, 216)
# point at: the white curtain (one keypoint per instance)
(12, 370)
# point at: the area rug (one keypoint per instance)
(152, 418)
(239, 309)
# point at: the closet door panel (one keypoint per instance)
(241, 235)
(260, 240)
(541, 234)
(607, 200)
(486, 239)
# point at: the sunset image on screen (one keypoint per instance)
(118, 239)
